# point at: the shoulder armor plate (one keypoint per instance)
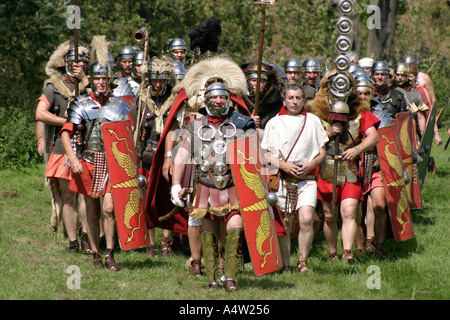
(83, 107)
(123, 88)
(115, 109)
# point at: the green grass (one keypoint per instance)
(33, 262)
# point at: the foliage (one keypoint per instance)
(32, 29)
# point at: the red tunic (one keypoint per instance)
(347, 190)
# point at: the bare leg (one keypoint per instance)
(70, 214)
(330, 228)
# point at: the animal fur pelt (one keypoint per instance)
(223, 68)
(270, 101)
(55, 67)
(55, 64)
(163, 65)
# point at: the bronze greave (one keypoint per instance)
(233, 252)
(210, 255)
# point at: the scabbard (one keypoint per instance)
(335, 171)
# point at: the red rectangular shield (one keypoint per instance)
(407, 134)
(128, 199)
(392, 171)
(257, 215)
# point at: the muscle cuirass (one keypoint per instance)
(347, 170)
(87, 111)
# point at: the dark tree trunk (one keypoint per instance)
(380, 38)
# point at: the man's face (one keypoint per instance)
(126, 66)
(218, 101)
(363, 94)
(101, 84)
(262, 83)
(81, 63)
(311, 77)
(293, 102)
(179, 54)
(380, 79)
(413, 78)
(292, 76)
(400, 79)
(137, 66)
(158, 84)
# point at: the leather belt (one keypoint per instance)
(296, 180)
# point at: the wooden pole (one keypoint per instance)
(260, 54)
(75, 45)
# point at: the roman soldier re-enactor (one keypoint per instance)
(414, 99)
(215, 199)
(356, 127)
(294, 71)
(177, 50)
(373, 189)
(311, 83)
(90, 171)
(156, 100)
(59, 91)
(270, 94)
(392, 99)
(125, 62)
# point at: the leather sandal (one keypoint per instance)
(369, 245)
(110, 263)
(332, 256)
(166, 246)
(230, 285)
(97, 259)
(85, 245)
(151, 250)
(74, 246)
(195, 269)
(302, 265)
(348, 255)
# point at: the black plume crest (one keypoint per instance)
(206, 35)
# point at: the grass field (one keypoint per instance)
(34, 263)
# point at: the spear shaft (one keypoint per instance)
(75, 44)
(260, 54)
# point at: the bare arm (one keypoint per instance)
(368, 143)
(43, 114)
(167, 168)
(75, 162)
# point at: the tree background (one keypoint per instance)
(32, 29)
